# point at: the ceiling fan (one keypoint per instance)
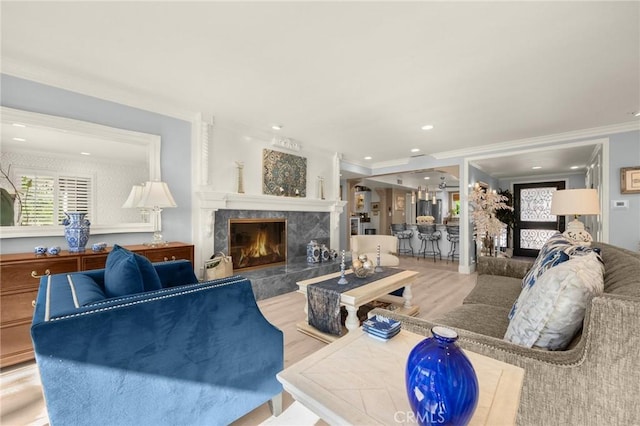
(443, 183)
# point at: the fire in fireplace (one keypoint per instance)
(257, 243)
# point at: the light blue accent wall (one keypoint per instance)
(624, 225)
(175, 152)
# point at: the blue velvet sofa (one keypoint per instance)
(188, 353)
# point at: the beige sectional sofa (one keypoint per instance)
(596, 380)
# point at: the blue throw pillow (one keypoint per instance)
(84, 289)
(128, 273)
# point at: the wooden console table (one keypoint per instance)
(20, 277)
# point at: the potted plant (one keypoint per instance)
(8, 199)
(507, 215)
(486, 225)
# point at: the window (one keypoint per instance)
(47, 196)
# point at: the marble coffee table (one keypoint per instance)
(358, 380)
(353, 299)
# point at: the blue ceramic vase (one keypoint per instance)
(76, 231)
(441, 383)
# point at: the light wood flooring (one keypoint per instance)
(437, 289)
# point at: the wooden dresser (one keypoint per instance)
(20, 277)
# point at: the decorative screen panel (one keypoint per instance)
(535, 205)
(534, 238)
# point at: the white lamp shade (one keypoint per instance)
(567, 202)
(156, 194)
(134, 197)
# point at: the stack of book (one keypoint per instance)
(381, 328)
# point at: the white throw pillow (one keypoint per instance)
(554, 309)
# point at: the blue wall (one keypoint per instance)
(624, 225)
(175, 152)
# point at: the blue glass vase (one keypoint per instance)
(441, 383)
(76, 231)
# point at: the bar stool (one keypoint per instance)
(404, 235)
(453, 235)
(428, 234)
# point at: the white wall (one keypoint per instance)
(235, 143)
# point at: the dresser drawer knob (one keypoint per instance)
(34, 274)
(33, 303)
(166, 259)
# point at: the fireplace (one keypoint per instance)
(257, 243)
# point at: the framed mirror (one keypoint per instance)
(52, 165)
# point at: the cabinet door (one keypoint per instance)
(15, 341)
(172, 253)
(94, 262)
(17, 307)
(25, 275)
(19, 289)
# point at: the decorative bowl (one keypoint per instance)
(363, 267)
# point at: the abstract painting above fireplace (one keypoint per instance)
(256, 243)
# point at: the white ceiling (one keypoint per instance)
(37, 140)
(359, 78)
(547, 162)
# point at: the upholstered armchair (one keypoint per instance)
(368, 245)
(186, 353)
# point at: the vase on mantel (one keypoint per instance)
(76, 231)
(442, 385)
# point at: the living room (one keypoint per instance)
(343, 82)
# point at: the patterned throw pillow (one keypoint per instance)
(556, 242)
(554, 310)
(551, 259)
(550, 255)
(556, 250)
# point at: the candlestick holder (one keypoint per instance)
(378, 267)
(240, 166)
(342, 279)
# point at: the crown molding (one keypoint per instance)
(108, 90)
(541, 140)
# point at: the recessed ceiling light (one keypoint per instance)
(20, 139)
(367, 157)
(415, 149)
(277, 127)
(19, 125)
(536, 167)
(427, 127)
(85, 153)
(575, 167)
(427, 178)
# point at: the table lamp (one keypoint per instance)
(134, 198)
(155, 196)
(576, 202)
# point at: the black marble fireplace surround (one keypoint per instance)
(302, 227)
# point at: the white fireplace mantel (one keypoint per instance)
(212, 200)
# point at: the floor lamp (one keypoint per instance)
(155, 197)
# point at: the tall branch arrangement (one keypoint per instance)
(485, 204)
(17, 195)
